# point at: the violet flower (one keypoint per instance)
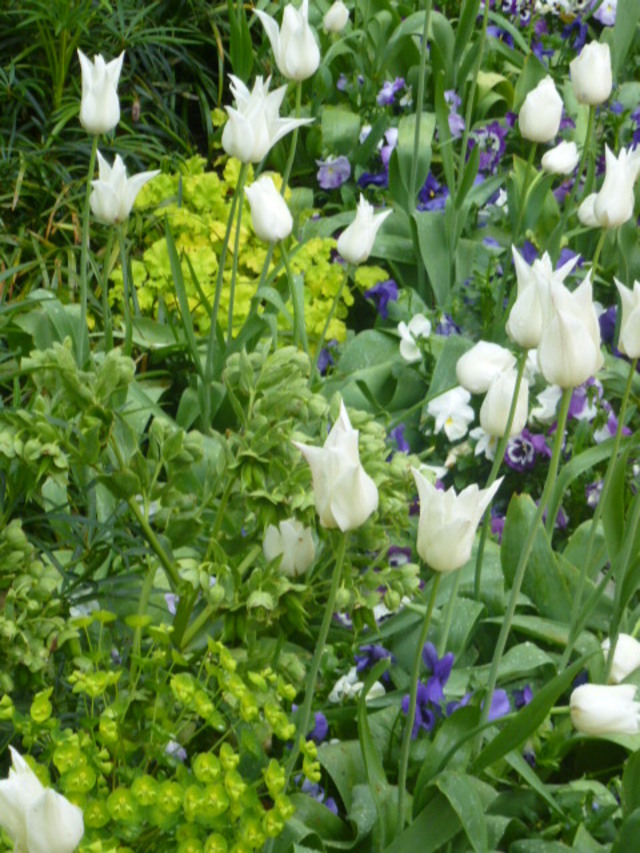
(382, 293)
(440, 669)
(390, 88)
(371, 654)
(333, 172)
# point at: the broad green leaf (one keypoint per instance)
(461, 793)
(430, 831)
(465, 27)
(340, 130)
(631, 784)
(521, 660)
(528, 774)
(434, 249)
(344, 763)
(627, 837)
(624, 31)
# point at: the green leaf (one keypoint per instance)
(631, 784)
(430, 831)
(516, 730)
(185, 313)
(340, 130)
(433, 243)
(461, 793)
(613, 506)
(344, 763)
(465, 28)
(627, 837)
(624, 31)
(528, 774)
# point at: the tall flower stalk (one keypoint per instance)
(83, 355)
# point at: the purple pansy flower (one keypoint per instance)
(522, 697)
(325, 357)
(390, 88)
(333, 172)
(523, 450)
(433, 195)
(382, 293)
(491, 141)
(500, 705)
(497, 524)
(446, 326)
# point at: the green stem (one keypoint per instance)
(304, 716)
(126, 296)
(334, 305)
(236, 251)
(145, 594)
(526, 553)
(606, 484)
(448, 615)
(497, 462)
(413, 699)
(413, 174)
(472, 93)
(294, 142)
(212, 343)
(525, 191)
(622, 563)
(596, 254)
(299, 328)
(84, 258)
(106, 312)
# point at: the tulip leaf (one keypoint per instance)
(613, 505)
(433, 242)
(631, 784)
(340, 130)
(624, 31)
(627, 837)
(431, 830)
(465, 28)
(547, 580)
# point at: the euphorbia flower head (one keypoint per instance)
(254, 124)
(100, 107)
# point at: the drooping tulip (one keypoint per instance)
(478, 367)
(37, 819)
(601, 709)
(294, 45)
(355, 244)
(113, 193)
(626, 657)
(345, 494)
(448, 522)
(100, 106)
(271, 218)
(254, 125)
(562, 159)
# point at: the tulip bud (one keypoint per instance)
(447, 523)
(598, 709)
(591, 75)
(113, 193)
(586, 212)
(294, 45)
(613, 205)
(494, 412)
(293, 542)
(336, 18)
(345, 495)
(100, 107)
(541, 112)
(37, 819)
(270, 215)
(569, 351)
(626, 657)
(562, 159)
(629, 338)
(480, 365)
(355, 244)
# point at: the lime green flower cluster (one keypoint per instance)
(197, 205)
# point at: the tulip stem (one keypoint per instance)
(304, 715)
(597, 253)
(106, 312)
(83, 344)
(297, 301)
(413, 175)
(472, 93)
(403, 764)
(622, 562)
(526, 553)
(334, 305)
(525, 191)
(236, 250)
(294, 142)
(448, 615)
(597, 514)
(497, 462)
(126, 306)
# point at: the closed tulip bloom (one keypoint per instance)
(293, 542)
(345, 494)
(113, 193)
(294, 45)
(591, 75)
(586, 211)
(626, 657)
(541, 112)
(613, 205)
(355, 244)
(37, 819)
(562, 159)
(336, 18)
(526, 318)
(254, 124)
(480, 365)
(569, 351)
(448, 522)
(600, 709)
(629, 339)
(100, 107)
(494, 412)
(270, 215)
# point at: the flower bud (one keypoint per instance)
(355, 244)
(336, 18)
(598, 709)
(562, 159)
(293, 542)
(271, 218)
(100, 107)
(591, 75)
(629, 339)
(541, 112)
(626, 657)
(494, 412)
(294, 45)
(480, 365)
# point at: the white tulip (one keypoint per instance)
(569, 351)
(591, 75)
(479, 366)
(113, 193)
(271, 218)
(100, 107)
(254, 124)
(562, 159)
(541, 112)
(410, 333)
(626, 657)
(294, 542)
(494, 412)
(355, 244)
(336, 18)
(629, 338)
(345, 494)
(526, 318)
(448, 522)
(613, 205)
(37, 819)
(294, 45)
(599, 709)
